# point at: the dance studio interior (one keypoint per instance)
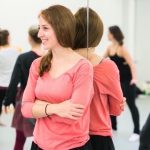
(124, 41)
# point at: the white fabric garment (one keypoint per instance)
(7, 61)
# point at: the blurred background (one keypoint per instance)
(130, 15)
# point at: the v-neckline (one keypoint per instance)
(68, 70)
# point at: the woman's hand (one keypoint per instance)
(122, 105)
(66, 109)
(133, 81)
(7, 109)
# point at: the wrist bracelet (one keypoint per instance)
(46, 110)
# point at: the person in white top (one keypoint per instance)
(8, 56)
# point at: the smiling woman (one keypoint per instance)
(50, 31)
(54, 92)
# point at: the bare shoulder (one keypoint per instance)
(109, 48)
(124, 50)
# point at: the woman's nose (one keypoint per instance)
(40, 33)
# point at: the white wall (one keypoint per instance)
(18, 15)
(128, 25)
(131, 15)
(142, 39)
(111, 14)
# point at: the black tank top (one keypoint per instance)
(125, 72)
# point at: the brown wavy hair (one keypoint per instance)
(63, 23)
(4, 34)
(95, 29)
(117, 34)
(33, 33)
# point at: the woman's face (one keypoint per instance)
(110, 36)
(47, 34)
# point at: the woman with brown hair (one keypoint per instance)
(60, 86)
(118, 53)
(108, 97)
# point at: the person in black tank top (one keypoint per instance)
(125, 73)
(118, 53)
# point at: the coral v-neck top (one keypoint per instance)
(76, 84)
(107, 97)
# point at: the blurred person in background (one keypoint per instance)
(24, 128)
(8, 56)
(118, 53)
(145, 136)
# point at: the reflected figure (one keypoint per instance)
(60, 86)
(8, 56)
(118, 53)
(108, 96)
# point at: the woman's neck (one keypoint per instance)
(115, 43)
(60, 52)
(38, 50)
(5, 46)
(35, 47)
(85, 52)
(90, 55)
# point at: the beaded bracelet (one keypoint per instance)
(46, 110)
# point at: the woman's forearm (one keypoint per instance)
(133, 71)
(42, 109)
(64, 109)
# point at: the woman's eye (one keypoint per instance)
(45, 28)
